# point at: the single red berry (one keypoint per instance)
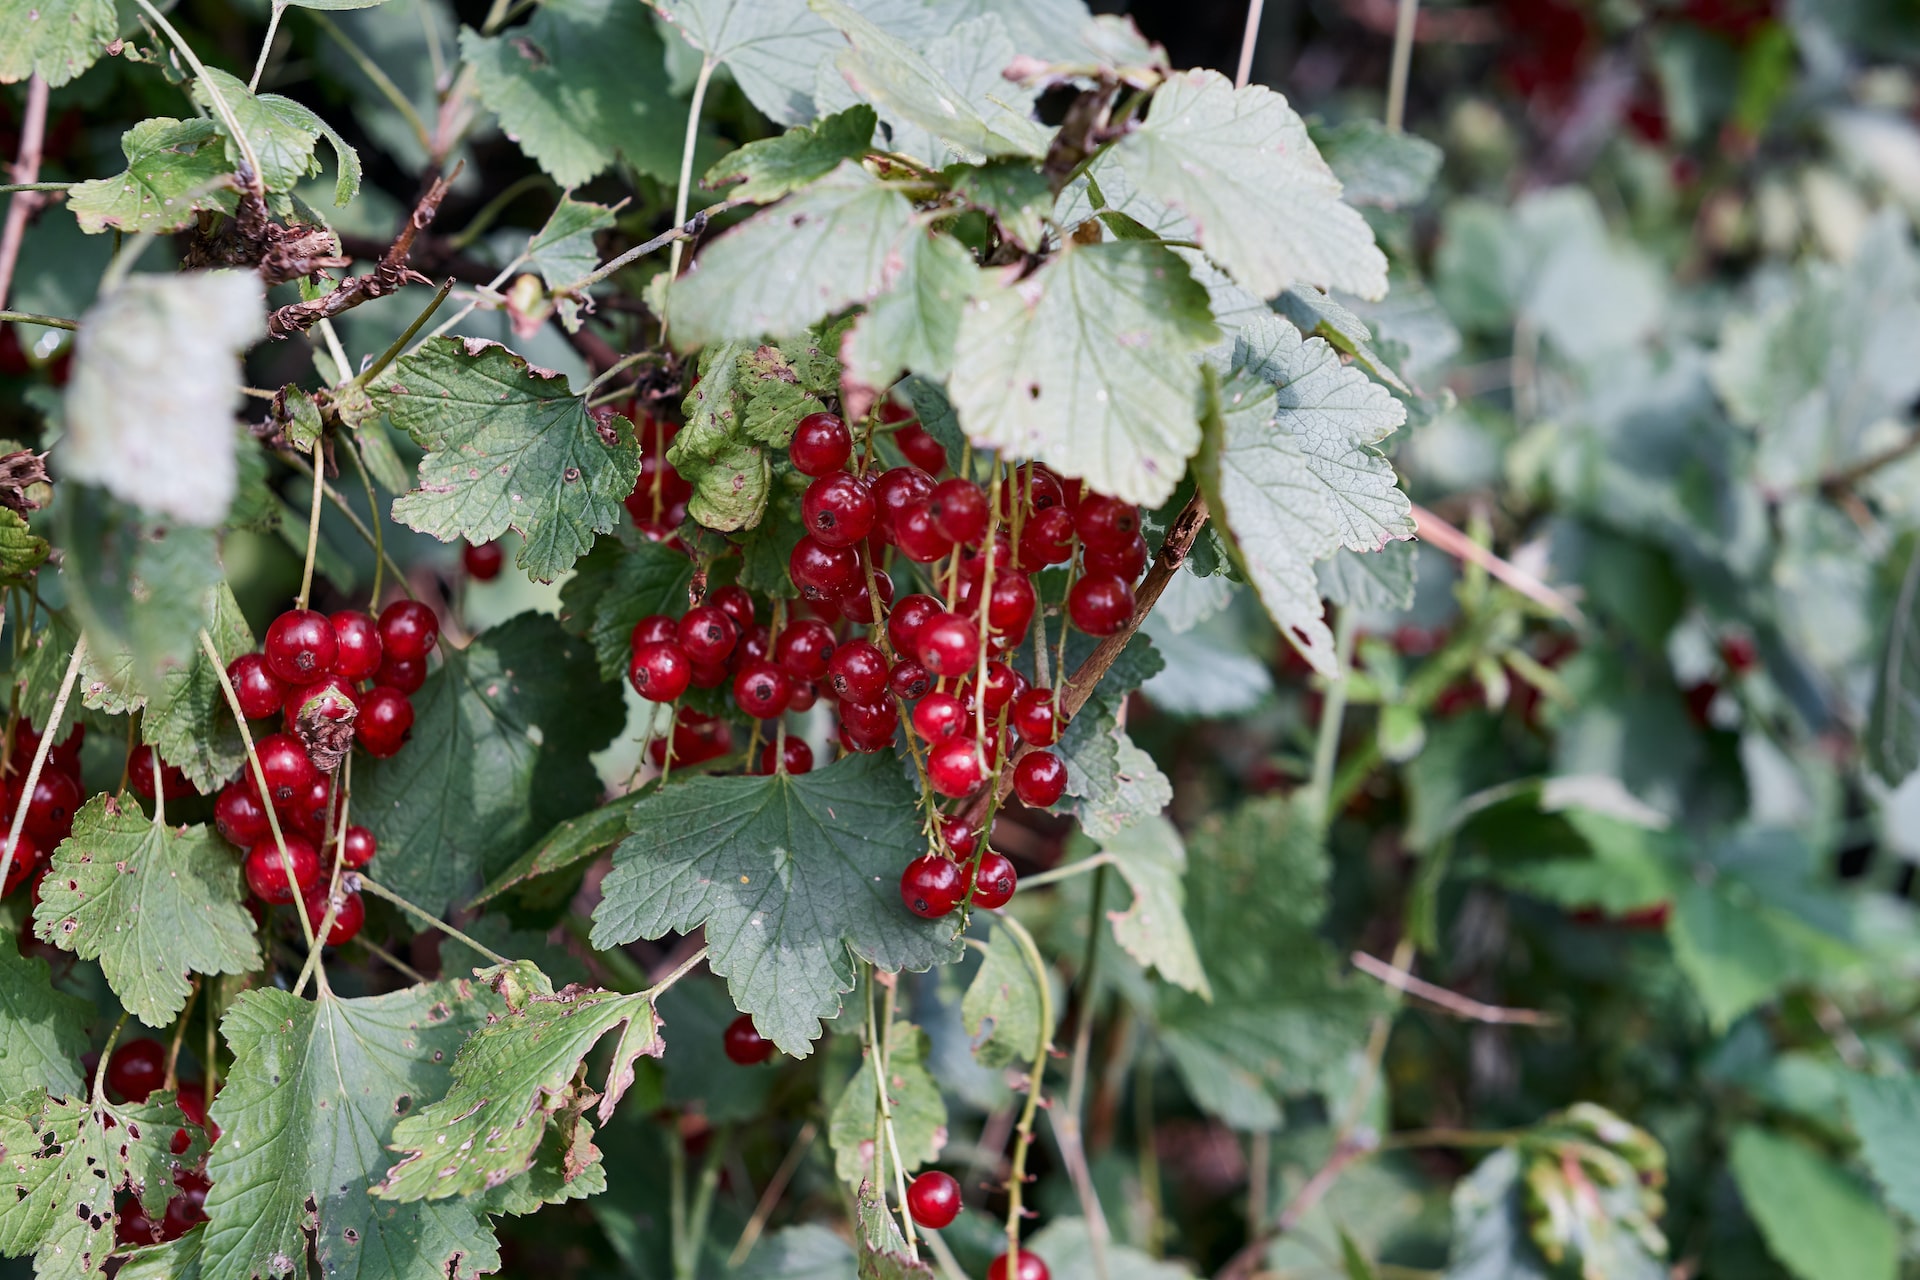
(932, 886)
(805, 648)
(1040, 779)
(188, 1209)
(909, 679)
(738, 603)
(1126, 561)
(761, 690)
(347, 919)
(938, 716)
(357, 647)
(300, 647)
(259, 691)
(870, 721)
(948, 645)
(284, 761)
(267, 871)
(357, 847)
(56, 798)
(408, 630)
(805, 693)
(1739, 653)
(908, 618)
(26, 858)
(1100, 604)
(1011, 604)
(955, 766)
(239, 815)
(743, 1042)
(1035, 717)
(482, 561)
(655, 628)
(821, 444)
(1004, 685)
(1031, 1268)
(1033, 487)
(933, 1199)
(309, 812)
(851, 740)
(191, 1098)
(708, 634)
(918, 538)
(1046, 538)
(132, 1227)
(1102, 521)
(798, 756)
(922, 450)
(838, 510)
(659, 671)
(710, 675)
(897, 489)
(856, 602)
(137, 1068)
(822, 572)
(146, 771)
(328, 700)
(994, 881)
(755, 645)
(405, 674)
(858, 672)
(386, 719)
(65, 755)
(959, 510)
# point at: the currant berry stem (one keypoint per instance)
(428, 918)
(313, 525)
(877, 1054)
(40, 754)
(707, 66)
(1023, 1132)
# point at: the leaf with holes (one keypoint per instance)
(175, 171)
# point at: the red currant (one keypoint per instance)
(821, 445)
(822, 572)
(897, 489)
(1100, 604)
(1040, 779)
(805, 648)
(482, 562)
(805, 694)
(357, 847)
(922, 450)
(1031, 1268)
(959, 510)
(708, 634)
(959, 837)
(267, 871)
(993, 881)
(1033, 486)
(239, 815)
(798, 756)
(743, 1042)
(386, 719)
(137, 1068)
(761, 690)
(932, 886)
(308, 812)
(300, 647)
(659, 671)
(755, 645)
(870, 721)
(405, 674)
(1106, 522)
(357, 648)
(858, 672)
(258, 690)
(284, 761)
(938, 716)
(56, 798)
(1035, 717)
(347, 919)
(408, 630)
(145, 770)
(26, 855)
(1011, 604)
(908, 618)
(1127, 561)
(655, 628)
(1740, 653)
(856, 602)
(710, 675)
(918, 538)
(838, 510)
(948, 645)
(738, 603)
(1046, 538)
(329, 699)
(909, 679)
(933, 1199)
(955, 766)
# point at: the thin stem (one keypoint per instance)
(877, 1055)
(686, 167)
(343, 796)
(1066, 1121)
(106, 1054)
(1023, 1132)
(769, 1198)
(352, 451)
(340, 504)
(334, 348)
(687, 228)
(393, 350)
(392, 961)
(371, 69)
(1094, 863)
(45, 322)
(1333, 712)
(221, 107)
(680, 971)
(677, 1202)
(428, 918)
(14, 188)
(618, 366)
(1402, 61)
(1248, 39)
(703, 1198)
(40, 754)
(313, 529)
(26, 168)
(266, 45)
(172, 1078)
(492, 209)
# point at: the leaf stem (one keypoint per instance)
(1403, 28)
(678, 972)
(40, 754)
(15, 188)
(172, 1078)
(340, 504)
(106, 1054)
(266, 45)
(1248, 39)
(372, 70)
(313, 527)
(687, 228)
(45, 322)
(343, 794)
(352, 451)
(707, 65)
(1023, 1132)
(1333, 713)
(769, 1198)
(221, 107)
(877, 1055)
(1071, 869)
(394, 348)
(426, 917)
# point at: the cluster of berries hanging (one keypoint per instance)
(57, 796)
(134, 1071)
(937, 656)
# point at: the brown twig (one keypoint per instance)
(26, 168)
(1463, 1007)
(251, 238)
(1840, 481)
(388, 276)
(1458, 545)
(19, 472)
(1245, 1263)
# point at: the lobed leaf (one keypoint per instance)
(173, 174)
(764, 171)
(44, 1030)
(54, 39)
(919, 1112)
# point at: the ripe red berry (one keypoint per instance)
(933, 1199)
(267, 871)
(655, 628)
(386, 719)
(26, 855)
(955, 766)
(932, 886)
(738, 603)
(805, 694)
(1100, 604)
(822, 572)
(743, 1042)
(909, 679)
(897, 489)
(959, 837)
(351, 914)
(858, 672)
(482, 561)
(918, 538)
(708, 634)
(908, 618)
(798, 756)
(239, 815)
(994, 881)
(405, 674)
(838, 510)
(284, 761)
(357, 847)
(938, 716)
(357, 647)
(922, 450)
(1046, 538)
(309, 812)
(1031, 1268)
(408, 630)
(659, 671)
(1034, 487)
(56, 798)
(259, 691)
(856, 602)
(959, 510)
(328, 700)
(137, 1068)
(948, 645)
(1739, 653)
(761, 690)
(300, 647)
(821, 444)
(1127, 561)
(1004, 684)
(1102, 521)
(146, 771)
(870, 722)
(1011, 604)
(1040, 779)
(1035, 717)
(805, 648)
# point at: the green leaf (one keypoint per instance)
(806, 1252)
(21, 550)
(1817, 1220)
(283, 135)
(569, 843)
(1001, 1009)
(509, 446)
(619, 582)
(913, 326)
(188, 721)
(175, 341)
(1113, 782)
(770, 46)
(1886, 1115)
(1240, 164)
(306, 1113)
(1317, 315)
(512, 1079)
(763, 171)
(820, 250)
(1490, 1238)
(172, 175)
(883, 1250)
(1151, 859)
(1740, 941)
(919, 1112)
(1067, 1247)
(792, 877)
(563, 251)
(967, 60)
(502, 736)
(1377, 166)
(54, 39)
(1087, 365)
(45, 1031)
(151, 903)
(1012, 192)
(1893, 726)
(567, 86)
(1371, 581)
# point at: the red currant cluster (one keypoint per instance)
(333, 681)
(658, 502)
(134, 1071)
(57, 796)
